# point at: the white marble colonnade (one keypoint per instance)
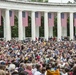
(48, 31)
(45, 8)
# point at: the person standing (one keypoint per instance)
(38, 72)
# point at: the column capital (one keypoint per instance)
(7, 9)
(62, 12)
(38, 11)
(71, 12)
(33, 11)
(50, 12)
(46, 12)
(20, 10)
(59, 12)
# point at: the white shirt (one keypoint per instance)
(34, 70)
(37, 73)
(64, 74)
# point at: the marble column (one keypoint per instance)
(20, 26)
(71, 26)
(7, 25)
(46, 34)
(33, 26)
(59, 28)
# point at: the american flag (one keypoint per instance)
(25, 18)
(51, 19)
(64, 19)
(75, 19)
(38, 18)
(11, 12)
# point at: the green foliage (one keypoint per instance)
(69, 2)
(46, 0)
(40, 0)
(68, 33)
(55, 27)
(14, 29)
(1, 31)
(41, 29)
(28, 29)
(1, 28)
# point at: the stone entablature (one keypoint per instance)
(36, 6)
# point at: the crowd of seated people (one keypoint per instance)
(38, 57)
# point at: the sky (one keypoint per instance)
(61, 1)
